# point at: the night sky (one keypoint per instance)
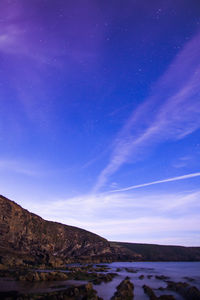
(100, 115)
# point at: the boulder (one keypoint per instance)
(124, 290)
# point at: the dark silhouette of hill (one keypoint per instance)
(151, 252)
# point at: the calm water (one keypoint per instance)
(176, 271)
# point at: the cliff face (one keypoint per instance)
(25, 238)
(28, 240)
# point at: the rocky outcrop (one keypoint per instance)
(28, 240)
(124, 290)
(152, 295)
(76, 273)
(32, 276)
(43, 276)
(82, 292)
(187, 291)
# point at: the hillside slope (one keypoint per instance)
(150, 252)
(27, 239)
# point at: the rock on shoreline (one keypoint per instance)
(124, 290)
(82, 292)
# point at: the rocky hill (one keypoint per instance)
(27, 239)
(150, 252)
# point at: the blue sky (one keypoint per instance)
(100, 115)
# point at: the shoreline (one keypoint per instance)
(140, 273)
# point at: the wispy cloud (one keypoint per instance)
(128, 217)
(172, 112)
(21, 167)
(185, 161)
(157, 182)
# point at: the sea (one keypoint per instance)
(140, 273)
(175, 271)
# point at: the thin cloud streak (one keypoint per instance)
(157, 182)
(18, 167)
(160, 119)
(24, 167)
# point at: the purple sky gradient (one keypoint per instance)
(99, 96)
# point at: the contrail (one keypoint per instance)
(175, 102)
(156, 182)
